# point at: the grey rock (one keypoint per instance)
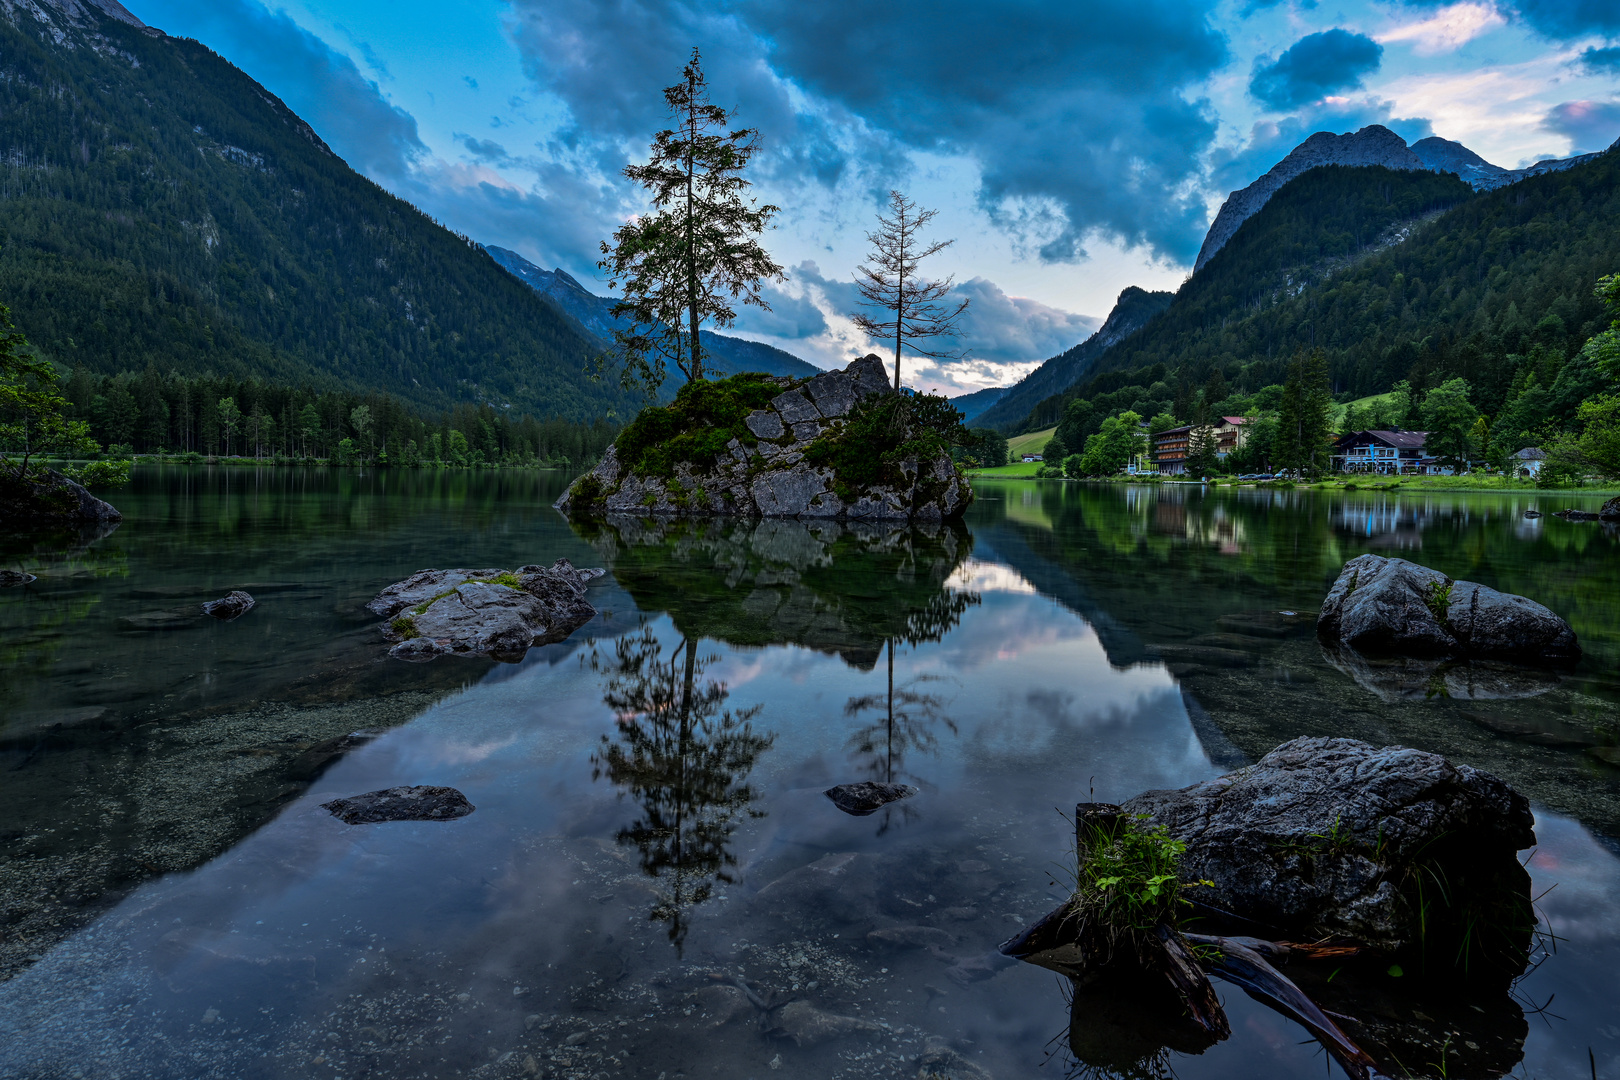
(868, 796)
(49, 500)
(419, 803)
(1331, 837)
(465, 613)
(870, 376)
(805, 1025)
(725, 1004)
(795, 407)
(12, 578)
(765, 425)
(939, 1062)
(1611, 510)
(910, 937)
(791, 493)
(233, 605)
(833, 392)
(805, 431)
(1381, 605)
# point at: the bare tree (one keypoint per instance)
(683, 264)
(913, 307)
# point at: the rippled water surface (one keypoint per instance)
(651, 891)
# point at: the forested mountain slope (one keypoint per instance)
(1394, 275)
(1134, 308)
(730, 355)
(1462, 296)
(158, 207)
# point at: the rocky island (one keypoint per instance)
(843, 445)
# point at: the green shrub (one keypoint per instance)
(1129, 877)
(696, 426)
(100, 473)
(881, 433)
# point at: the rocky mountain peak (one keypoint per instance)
(1372, 145)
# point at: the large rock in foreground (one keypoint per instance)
(1390, 847)
(1392, 606)
(495, 613)
(49, 500)
(767, 468)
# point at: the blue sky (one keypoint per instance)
(1072, 149)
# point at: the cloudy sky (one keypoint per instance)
(1072, 148)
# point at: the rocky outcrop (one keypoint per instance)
(1336, 838)
(49, 500)
(12, 578)
(495, 613)
(763, 472)
(233, 605)
(421, 803)
(1611, 510)
(1392, 606)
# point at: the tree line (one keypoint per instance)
(154, 413)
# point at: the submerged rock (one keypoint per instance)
(868, 796)
(1390, 847)
(805, 1025)
(421, 803)
(1381, 605)
(49, 500)
(12, 578)
(233, 605)
(496, 613)
(763, 471)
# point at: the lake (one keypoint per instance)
(639, 897)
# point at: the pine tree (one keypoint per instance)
(684, 264)
(1304, 416)
(913, 308)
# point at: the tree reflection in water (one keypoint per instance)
(684, 760)
(908, 719)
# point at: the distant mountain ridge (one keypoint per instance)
(970, 405)
(1132, 311)
(1372, 145)
(595, 313)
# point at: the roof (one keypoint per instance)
(1174, 431)
(1532, 453)
(1401, 440)
(1236, 421)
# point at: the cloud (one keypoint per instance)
(1589, 125)
(1314, 67)
(1450, 29)
(1083, 112)
(1596, 61)
(1559, 20)
(1237, 166)
(487, 150)
(1001, 328)
(791, 318)
(319, 84)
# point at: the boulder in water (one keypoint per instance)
(1392, 606)
(233, 605)
(496, 613)
(12, 578)
(868, 796)
(420, 803)
(1390, 847)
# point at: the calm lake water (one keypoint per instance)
(631, 898)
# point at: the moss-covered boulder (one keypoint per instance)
(842, 445)
(45, 499)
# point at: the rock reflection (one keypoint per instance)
(685, 761)
(838, 588)
(906, 720)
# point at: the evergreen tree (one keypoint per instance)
(684, 264)
(1303, 417)
(910, 307)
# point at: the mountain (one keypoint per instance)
(1489, 286)
(971, 405)
(595, 313)
(163, 209)
(1372, 145)
(1134, 308)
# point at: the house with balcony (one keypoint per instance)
(1383, 452)
(1171, 448)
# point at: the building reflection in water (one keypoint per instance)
(685, 759)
